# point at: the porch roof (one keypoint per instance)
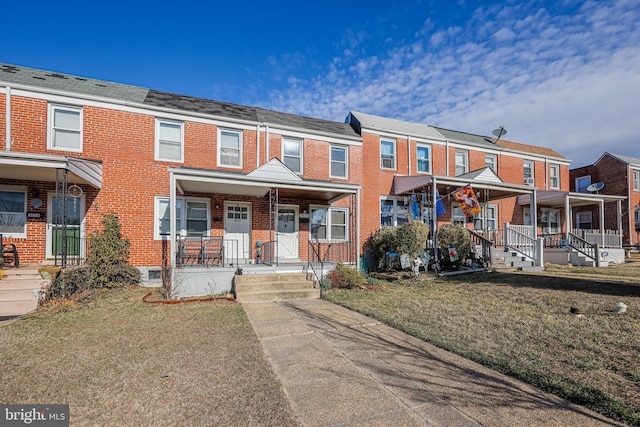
(42, 167)
(271, 175)
(556, 199)
(482, 179)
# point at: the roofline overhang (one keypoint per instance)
(578, 199)
(446, 181)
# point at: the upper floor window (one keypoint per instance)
(387, 154)
(230, 148)
(393, 212)
(462, 162)
(491, 161)
(169, 141)
(329, 223)
(13, 211)
(528, 172)
(423, 158)
(554, 176)
(292, 154)
(338, 167)
(582, 183)
(636, 180)
(65, 128)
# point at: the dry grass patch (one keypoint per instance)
(521, 325)
(119, 361)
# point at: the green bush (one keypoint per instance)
(454, 236)
(108, 256)
(69, 282)
(384, 240)
(412, 238)
(345, 277)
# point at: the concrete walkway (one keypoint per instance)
(340, 368)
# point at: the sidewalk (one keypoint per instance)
(339, 367)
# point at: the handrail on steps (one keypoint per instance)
(521, 242)
(590, 250)
(314, 257)
(486, 244)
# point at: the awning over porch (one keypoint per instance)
(558, 199)
(39, 167)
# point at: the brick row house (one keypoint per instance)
(612, 174)
(243, 183)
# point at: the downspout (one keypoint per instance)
(434, 192)
(257, 146)
(7, 100)
(546, 173)
(172, 222)
(408, 156)
(266, 139)
(446, 144)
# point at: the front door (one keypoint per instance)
(237, 232)
(287, 232)
(74, 226)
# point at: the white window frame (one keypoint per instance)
(583, 187)
(636, 180)
(547, 229)
(240, 148)
(493, 163)
(51, 143)
(587, 215)
(158, 142)
(531, 167)
(393, 155)
(419, 159)
(480, 219)
(332, 161)
(300, 157)
(181, 227)
(328, 222)
(22, 190)
(464, 165)
(526, 217)
(457, 215)
(396, 202)
(554, 176)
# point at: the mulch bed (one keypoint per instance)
(155, 297)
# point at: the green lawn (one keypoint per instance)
(118, 361)
(520, 325)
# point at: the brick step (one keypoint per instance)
(277, 295)
(16, 308)
(274, 286)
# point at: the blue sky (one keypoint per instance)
(560, 74)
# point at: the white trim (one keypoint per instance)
(394, 212)
(240, 134)
(346, 161)
(328, 224)
(300, 143)
(495, 157)
(51, 109)
(588, 214)
(395, 153)
(635, 184)
(577, 187)
(429, 158)
(181, 228)
(465, 153)
(555, 166)
(158, 122)
(17, 189)
(50, 226)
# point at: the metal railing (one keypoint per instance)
(612, 238)
(586, 248)
(315, 264)
(74, 250)
(206, 252)
(322, 252)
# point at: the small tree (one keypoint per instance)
(455, 236)
(384, 240)
(412, 238)
(108, 256)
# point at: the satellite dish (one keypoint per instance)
(499, 132)
(596, 186)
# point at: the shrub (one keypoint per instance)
(411, 238)
(69, 282)
(384, 240)
(454, 236)
(345, 277)
(108, 256)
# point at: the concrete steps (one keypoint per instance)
(274, 287)
(512, 260)
(20, 290)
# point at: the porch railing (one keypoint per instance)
(73, 251)
(521, 238)
(584, 247)
(479, 240)
(556, 240)
(612, 238)
(322, 252)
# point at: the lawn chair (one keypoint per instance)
(9, 251)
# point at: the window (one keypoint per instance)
(487, 219)
(462, 162)
(387, 154)
(457, 216)
(554, 176)
(583, 220)
(491, 161)
(65, 128)
(526, 216)
(528, 172)
(636, 217)
(393, 212)
(338, 168)
(13, 211)
(169, 138)
(582, 183)
(423, 158)
(329, 223)
(550, 221)
(230, 148)
(636, 180)
(292, 154)
(194, 223)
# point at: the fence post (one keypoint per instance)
(597, 256)
(506, 237)
(540, 251)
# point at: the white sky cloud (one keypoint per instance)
(569, 81)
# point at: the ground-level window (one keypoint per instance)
(457, 216)
(550, 221)
(636, 216)
(192, 217)
(583, 220)
(327, 223)
(393, 212)
(487, 219)
(13, 211)
(526, 216)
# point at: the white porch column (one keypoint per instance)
(172, 221)
(358, 230)
(619, 216)
(533, 207)
(434, 196)
(602, 223)
(567, 217)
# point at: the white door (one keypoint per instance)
(237, 232)
(75, 226)
(287, 232)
